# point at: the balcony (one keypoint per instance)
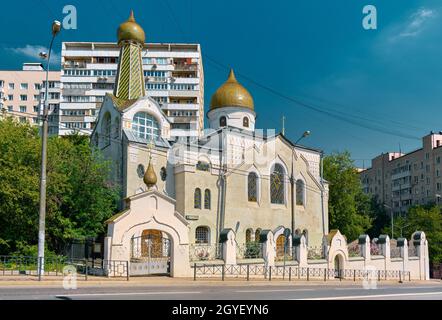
(74, 64)
(186, 67)
(180, 106)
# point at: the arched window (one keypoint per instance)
(300, 186)
(202, 235)
(277, 187)
(106, 129)
(245, 122)
(207, 199)
(197, 198)
(249, 235)
(252, 187)
(222, 121)
(145, 126)
(257, 234)
(116, 127)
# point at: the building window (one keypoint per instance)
(252, 187)
(277, 187)
(245, 122)
(11, 86)
(222, 121)
(202, 235)
(23, 97)
(207, 199)
(300, 188)
(248, 235)
(22, 108)
(197, 198)
(24, 86)
(10, 97)
(145, 126)
(257, 235)
(106, 128)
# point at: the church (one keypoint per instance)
(182, 197)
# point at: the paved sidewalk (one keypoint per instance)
(53, 281)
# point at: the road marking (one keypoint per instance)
(374, 296)
(124, 294)
(276, 290)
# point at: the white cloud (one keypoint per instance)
(32, 51)
(415, 24)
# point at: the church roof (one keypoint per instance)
(161, 142)
(121, 104)
(231, 94)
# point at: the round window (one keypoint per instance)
(140, 170)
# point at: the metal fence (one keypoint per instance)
(412, 251)
(250, 250)
(354, 250)
(201, 252)
(315, 253)
(249, 271)
(55, 266)
(395, 252)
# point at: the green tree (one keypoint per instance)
(79, 198)
(427, 219)
(349, 208)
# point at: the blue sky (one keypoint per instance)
(366, 91)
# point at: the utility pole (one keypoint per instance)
(56, 27)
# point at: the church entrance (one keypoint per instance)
(338, 266)
(150, 253)
(280, 247)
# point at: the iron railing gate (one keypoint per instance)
(150, 254)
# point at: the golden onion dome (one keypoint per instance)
(231, 94)
(131, 31)
(150, 178)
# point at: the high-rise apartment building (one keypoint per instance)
(173, 77)
(401, 180)
(22, 91)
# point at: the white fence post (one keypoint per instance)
(228, 242)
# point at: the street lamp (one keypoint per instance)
(292, 179)
(56, 27)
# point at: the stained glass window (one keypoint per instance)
(202, 235)
(145, 126)
(277, 185)
(207, 199)
(197, 198)
(300, 192)
(252, 186)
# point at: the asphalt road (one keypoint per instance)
(227, 292)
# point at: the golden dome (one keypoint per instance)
(131, 31)
(150, 178)
(231, 94)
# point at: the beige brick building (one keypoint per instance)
(401, 180)
(22, 91)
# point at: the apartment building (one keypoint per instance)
(22, 91)
(173, 77)
(401, 180)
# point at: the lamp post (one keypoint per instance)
(292, 179)
(56, 27)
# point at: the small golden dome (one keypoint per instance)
(231, 94)
(131, 31)
(150, 178)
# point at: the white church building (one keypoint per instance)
(236, 194)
